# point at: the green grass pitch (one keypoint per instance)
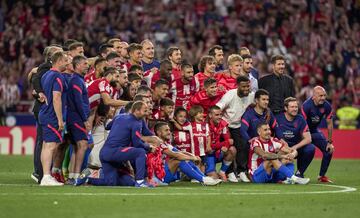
(21, 197)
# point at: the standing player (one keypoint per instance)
(246, 69)
(160, 91)
(266, 160)
(207, 66)
(99, 65)
(227, 80)
(148, 61)
(51, 114)
(174, 55)
(217, 52)
(314, 110)
(207, 97)
(296, 134)
(221, 144)
(233, 104)
(78, 111)
(135, 55)
(151, 76)
(184, 87)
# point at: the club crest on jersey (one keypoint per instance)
(322, 110)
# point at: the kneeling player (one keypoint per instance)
(176, 160)
(221, 144)
(265, 158)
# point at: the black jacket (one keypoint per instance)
(279, 87)
(36, 83)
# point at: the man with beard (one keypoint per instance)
(217, 52)
(184, 87)
(245, 51)
(207, 66)
(101, 89)
(163, 73)
(78, 111)
(233, 105)
(174, 55)
(148, 61)
(246, 70)
(279, 85)
(98, 70)
(51, 114)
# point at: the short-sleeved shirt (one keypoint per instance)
(52, 81)
(271, 146)
(95, 88)
(292, 130)
(313, 114)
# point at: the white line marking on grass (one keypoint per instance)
(343, 189)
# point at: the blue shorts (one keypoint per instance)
(50, 133)
(260, 175)
(77, 130)
(170, 177)
(210, 162)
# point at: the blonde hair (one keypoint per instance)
(233, 58)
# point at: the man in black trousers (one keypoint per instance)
(40, 98)
(278, 84)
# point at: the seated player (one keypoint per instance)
(221, 144)
(177, 160)
(266, 157)
(182, 130)
(200, 134)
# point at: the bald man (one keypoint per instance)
(314, 110)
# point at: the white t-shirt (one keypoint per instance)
(233, 107)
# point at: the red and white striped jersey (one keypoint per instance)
(200, 133)
(95, 89)
(151, 77)
(272, 146)
(181, 93)
(183, 139)
(90, 76)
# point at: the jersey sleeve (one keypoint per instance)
(254, 144)
(245, 124)
(303, 127)
(58, 85)
(104, 87)
(76, 88)
(145, 129)
(136, 140)
(224, 101)
(275, 126)
(328, 111)
(304, 110)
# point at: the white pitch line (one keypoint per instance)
(343, 189)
